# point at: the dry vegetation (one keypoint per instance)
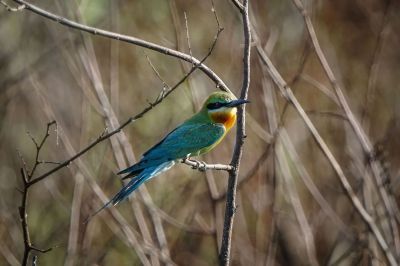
(318, 181)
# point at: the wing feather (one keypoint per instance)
(185, 140)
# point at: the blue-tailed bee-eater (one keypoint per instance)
(197, 135)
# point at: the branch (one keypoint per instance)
(125, 38)
(230, 208)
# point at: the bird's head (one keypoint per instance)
(221, 108)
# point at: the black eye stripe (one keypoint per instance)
(215, 105)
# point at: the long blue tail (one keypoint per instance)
(135, 182)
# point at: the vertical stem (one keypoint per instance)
(230, 207)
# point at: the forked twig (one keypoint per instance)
(26, 180)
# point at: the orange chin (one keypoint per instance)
(226, 118)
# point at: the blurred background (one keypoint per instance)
(291, 206)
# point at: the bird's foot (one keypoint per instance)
(201, 166)
(196, 164)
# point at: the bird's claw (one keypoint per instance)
(201, 166)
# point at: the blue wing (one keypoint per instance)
(184, 141)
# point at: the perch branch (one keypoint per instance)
(202, 166)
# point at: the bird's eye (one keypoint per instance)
(216, 105)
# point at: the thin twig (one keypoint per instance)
(187, 35)
(165, 84)
(230, 208)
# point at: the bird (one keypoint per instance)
(197, 135)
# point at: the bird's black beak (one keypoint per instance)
(238, 102)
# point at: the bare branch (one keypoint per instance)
(128, 39)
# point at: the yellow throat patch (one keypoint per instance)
(227, 117)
